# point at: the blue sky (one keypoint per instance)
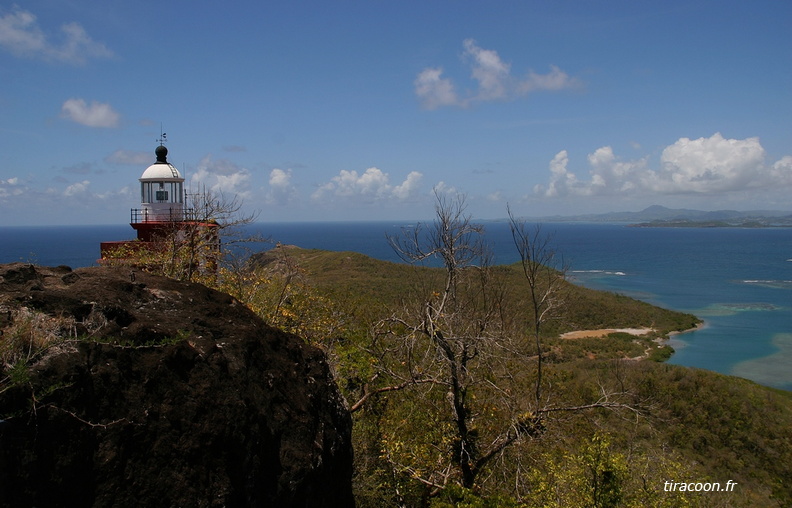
(362, 110)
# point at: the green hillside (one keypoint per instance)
(643, 423)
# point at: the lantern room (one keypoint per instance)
(161, 191)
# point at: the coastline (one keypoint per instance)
(675, 343)
(638, 332)
(604, 332)
(665, 340)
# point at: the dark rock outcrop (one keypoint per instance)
(162, 393)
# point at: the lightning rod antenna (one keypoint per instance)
(163, 136)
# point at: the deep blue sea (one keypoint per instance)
(738, 280)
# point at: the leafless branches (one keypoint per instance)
(545, 273)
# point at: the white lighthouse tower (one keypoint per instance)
(161, 191)
(161, 198)
(162, 215)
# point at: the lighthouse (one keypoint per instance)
(163, 222)
(161, 197)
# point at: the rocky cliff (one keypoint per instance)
(125, 389)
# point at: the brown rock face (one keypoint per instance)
(160, 393)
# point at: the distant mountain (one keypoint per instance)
(657, 215)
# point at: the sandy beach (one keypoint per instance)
(604, 332)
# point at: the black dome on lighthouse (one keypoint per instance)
(162, 170)
(162, 154)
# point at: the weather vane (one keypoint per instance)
(163, 137)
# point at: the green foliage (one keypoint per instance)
(695, 425)
(155, 341)
(18, 373)
(594, 476)
(459, 497)
(596, 472)
(26, 335)
(371, 287)
(661, 353)
(189, 252)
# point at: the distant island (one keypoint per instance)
(685, 223)
(660, 216)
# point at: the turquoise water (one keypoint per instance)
(738, 280)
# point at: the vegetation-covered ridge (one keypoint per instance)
(384, 283)
(690, 424)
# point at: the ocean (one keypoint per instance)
(739, 281)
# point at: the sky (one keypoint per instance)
(366, 110)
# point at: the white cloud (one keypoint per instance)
(10, 187)
(281, 189)
(222, 176)
(434, 90)
(65, 202)
(372, 185)
(561, 180)
(711, 165)
(443, 188)
(495, 197)
(96, 114)
(76, 189)
(21, 36)
(493, 77)
(489, 70)
(554, 80)
(409, 186)
(781, 172)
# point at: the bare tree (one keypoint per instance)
(450, 338)
(214, 225)
(545, 273)
(451, 362)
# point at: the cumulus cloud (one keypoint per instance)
(409, 186)
(96, 114)
(77, 189)
(689, 166)
(710, 164)
(372, 185)
(493, 77)
(21, 36)
(443, 188)
(281, 190)
(10, 187)
(561, 180)
(492, 74)
(435, 91)
(781, 172)
(222, 176)
(64, 201)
